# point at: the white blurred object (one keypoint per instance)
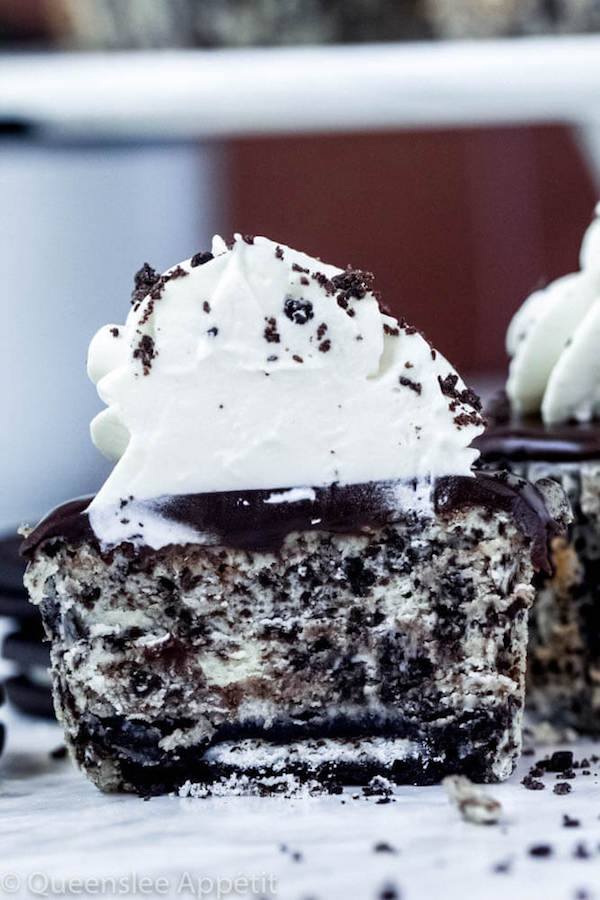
(76, 223)
(195, 93)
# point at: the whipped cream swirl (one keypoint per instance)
(256, 366)
(553, 340)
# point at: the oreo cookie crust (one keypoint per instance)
(390, 647)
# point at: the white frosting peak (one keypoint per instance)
(265, 368)
(553, 340)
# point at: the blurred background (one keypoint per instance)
(450, 146)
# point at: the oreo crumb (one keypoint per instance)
(114, 332)
(531, 784)
(298, 311)
(473, 802)
(464, 419)
(298, 268)
(433, 356)
(408, 329)
(213, 331)
(304, 280)
(559, 761)
(389, 892)
(321, 330)
(248, 238)
(541, 850)
(144, 280)
(59, 752)
(156, 294)
(581, 852)
(206, 306)
(408, 365)
(413, 385)
(568, 822)
(145, 352)
(378, 786)
(200, 258)
(562, 787)
(466, 396)
(324, 282)
(149, 309)
(325, 347)
(389, 330)
(271, 334)
(175, 273)
(503, 867)
(272, 358)
(278, 252)
(297, 358)
(527, 751)
(384, 847)
(352, 283)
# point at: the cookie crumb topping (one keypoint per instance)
(200, 258)
(145, 352)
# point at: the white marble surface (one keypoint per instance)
(56, 828)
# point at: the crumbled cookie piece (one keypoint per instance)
(541, 850)
(379, 786)
(562, 787)
(474, 803)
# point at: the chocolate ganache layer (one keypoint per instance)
(527, 438)
(251, 520)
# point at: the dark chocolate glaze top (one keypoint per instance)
(511, 437)
(242, 519)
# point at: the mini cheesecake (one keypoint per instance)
(547, 425)
(563, 675)
(293, 568)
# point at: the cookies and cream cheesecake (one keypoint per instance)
(293, 567)
(547, 425)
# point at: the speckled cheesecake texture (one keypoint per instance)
(563, 677)
(397, 651)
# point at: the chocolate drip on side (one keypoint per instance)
(521, 438)
(68, 521)
(244, 520)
